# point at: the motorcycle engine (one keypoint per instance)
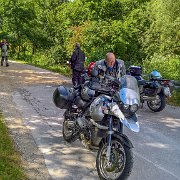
(82, 122)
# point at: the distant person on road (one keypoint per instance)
(77, 65)
(4, 45)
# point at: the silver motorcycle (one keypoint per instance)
(96, 117)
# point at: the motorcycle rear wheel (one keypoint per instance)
(121, 161)
(158, 104)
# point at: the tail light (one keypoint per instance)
(166, 82)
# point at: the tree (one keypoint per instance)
(163, 36)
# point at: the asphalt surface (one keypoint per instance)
(156, 147)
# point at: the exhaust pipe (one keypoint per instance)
(147, 98)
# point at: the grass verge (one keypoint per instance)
(175, 99)
(62, 69)
(10, 160)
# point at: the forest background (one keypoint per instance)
(141, 32)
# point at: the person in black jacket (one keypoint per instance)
(77, 65)
(4, 45)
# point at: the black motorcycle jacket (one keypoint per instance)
(77, 60)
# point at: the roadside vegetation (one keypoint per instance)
(175, 99)
(10, 160)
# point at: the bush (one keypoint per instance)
(168, 67)
(174, 100)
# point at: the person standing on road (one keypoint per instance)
(4, 45)
(77, 65)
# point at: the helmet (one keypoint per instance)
(87, 93)
(63, 97)
(90, 67)
(155, 75)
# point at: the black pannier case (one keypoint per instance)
(63, 97)
(135, 70)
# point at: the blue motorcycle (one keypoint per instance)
(155, 90)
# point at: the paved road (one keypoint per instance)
(156, 146)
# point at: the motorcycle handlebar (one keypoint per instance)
(113, 80)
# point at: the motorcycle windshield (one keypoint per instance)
(129, 91)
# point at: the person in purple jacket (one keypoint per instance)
(4, 45)
(77, 65)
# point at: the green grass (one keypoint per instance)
(10, 160)
(175, 99)
(61, 69)
(168, 67)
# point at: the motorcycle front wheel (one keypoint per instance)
(158, 104)
(121, 161)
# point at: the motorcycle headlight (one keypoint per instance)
(134, 108)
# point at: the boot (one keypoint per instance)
(7, 64)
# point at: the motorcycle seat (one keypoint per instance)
(141, 82)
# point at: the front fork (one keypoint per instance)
(109, 138)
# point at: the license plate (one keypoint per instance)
(167, 91)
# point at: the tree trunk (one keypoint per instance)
(33, 50)
(18, 52)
